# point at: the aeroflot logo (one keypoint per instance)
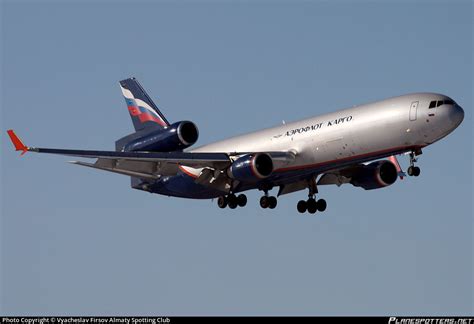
(314, 127)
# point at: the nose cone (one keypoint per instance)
(456, 115)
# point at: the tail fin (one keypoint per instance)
(143, 111)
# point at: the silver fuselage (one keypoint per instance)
(387, 126)
(331, 141)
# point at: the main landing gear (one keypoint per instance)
(268, 201)
(312, 205)
(232, 201)
(412, 169)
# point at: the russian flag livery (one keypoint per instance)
(143, 111)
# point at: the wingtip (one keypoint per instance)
(19, 146)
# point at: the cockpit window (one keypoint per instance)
(434, 104)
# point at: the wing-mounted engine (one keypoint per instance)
(251, 167)
(175, 137)
(375, 175)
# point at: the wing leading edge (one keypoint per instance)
(196, 160)
(147, 165)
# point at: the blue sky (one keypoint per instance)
(79, 241)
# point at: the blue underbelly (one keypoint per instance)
(184, 186)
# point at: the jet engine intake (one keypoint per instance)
(251, 167)
(376, 175)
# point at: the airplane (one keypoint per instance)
(356, 146)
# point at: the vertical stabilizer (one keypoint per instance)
(143, 111)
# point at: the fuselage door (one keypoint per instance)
(413, 110)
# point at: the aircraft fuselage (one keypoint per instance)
(332, 141)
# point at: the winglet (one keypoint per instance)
(19, 146)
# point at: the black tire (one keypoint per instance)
(416, 171)
(410, 171)
(264, 203)
(232, 201)
(272, 202)
(312, 206)
(321, 205)
(242, 200)
(222, 202)
(301, 206)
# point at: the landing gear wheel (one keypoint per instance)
(416, 171)
(264, 202)
(222, 202)
(272, 202)
(232, 201)
(321, 205)
(301, 206)
(242, 200)
(413, 171)
(312, 206)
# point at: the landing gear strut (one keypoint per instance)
(412, 169)
(312, 205)
(232, 201)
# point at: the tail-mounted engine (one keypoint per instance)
(175, 137)
(251, 167)
(375, 175)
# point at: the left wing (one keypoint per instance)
(140, 164)
(153, 165)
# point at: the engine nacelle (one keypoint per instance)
(175, 137)
(251, 167)
(375, 175)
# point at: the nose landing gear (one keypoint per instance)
(412, 169)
